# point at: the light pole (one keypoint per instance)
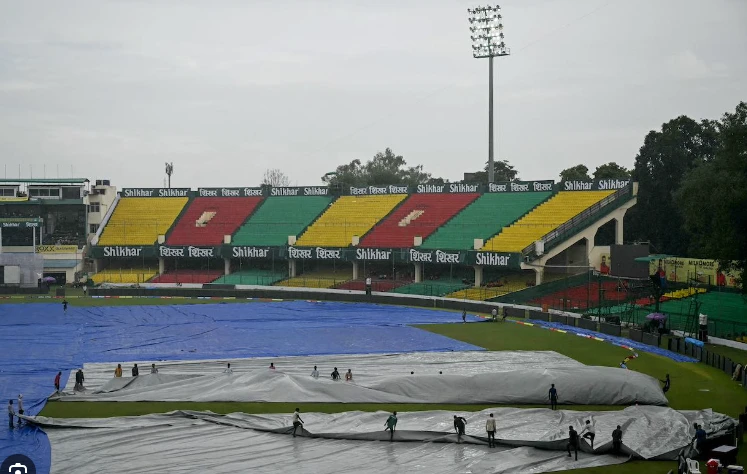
(486, 25)
(169, 171)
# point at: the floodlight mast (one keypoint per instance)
(487, 42)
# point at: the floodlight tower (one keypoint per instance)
(487, 42)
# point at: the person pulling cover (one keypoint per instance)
(553, 394)
(391, 424)
(490, 428)
(617, 439)
(572, 441)
(297, 421)
(589, 432)
(79, 379)
(459, 426)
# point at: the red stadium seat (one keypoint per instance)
(420, 215)
(208, 219)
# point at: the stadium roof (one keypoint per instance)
(45, 202)
(46, 181)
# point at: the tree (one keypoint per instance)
(576, 173)
(502, 171)
(713, 197)
(383, 169)
(276, 178)
(611, 170)
(662, 162)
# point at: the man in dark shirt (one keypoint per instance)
(459, 425)
(553, 394)
(700, 438)
(79, 379)
(135, 371)
(572, 441)
(666, 383)
(335, 374)
(64, 306)
(617, 439)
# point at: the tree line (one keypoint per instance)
(692, 194)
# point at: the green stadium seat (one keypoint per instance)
(278, 217)
(482, 219)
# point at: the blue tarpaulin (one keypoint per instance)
(618, 341)
(38, 340)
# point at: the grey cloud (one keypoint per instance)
(227, 89)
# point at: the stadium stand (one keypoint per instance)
(502, 286)
(252, 277)
(207, 219)
(583, 296)
(188, 276)
(376, 285)
(346, 217)
(139, 221)
(419, 215)
(485, 217)
(278, 217)
(326, 278)
(124, 275)
(432, 287)
(546, 217)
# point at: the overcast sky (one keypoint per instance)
(228, 88)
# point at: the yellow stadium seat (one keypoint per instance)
(346, 217)
(139, 221)
(129, 275)
(543, 219)
(511, 283)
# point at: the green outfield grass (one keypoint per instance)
(694, 385)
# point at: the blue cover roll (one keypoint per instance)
(695, 342)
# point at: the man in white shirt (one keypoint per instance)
(589, 432)
(20, 407)
(228, 370)
(153, 369)
(297, 421)
(703, 323)
(490, 428)
(494, 313)
(315, 373)
(368, 285)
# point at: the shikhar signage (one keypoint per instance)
(596, 185)
(298, 191)
(155, 192)
(187, 252)
(230, 192)
(521, 186)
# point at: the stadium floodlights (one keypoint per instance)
(486, 25)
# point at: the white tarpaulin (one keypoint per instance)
(520, 377)
(530, 441)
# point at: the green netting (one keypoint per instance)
(278, 217)
(432, 287)
(252, 277)
(727, 314)
(482, 219)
